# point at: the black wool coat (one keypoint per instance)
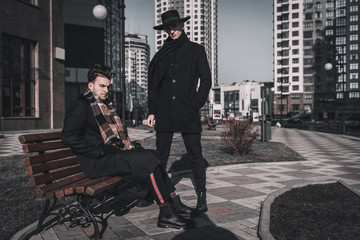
(81, 133)
(176, 99)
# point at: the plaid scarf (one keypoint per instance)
(108, 121)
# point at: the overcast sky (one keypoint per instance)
(245, 36)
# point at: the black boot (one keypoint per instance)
(184, 210)
(201, 202)
(168, 218)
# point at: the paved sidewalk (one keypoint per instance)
(235, 192)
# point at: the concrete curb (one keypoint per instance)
(264, 220)
(21, 235)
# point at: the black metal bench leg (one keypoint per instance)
(86, 209)
(44, 215)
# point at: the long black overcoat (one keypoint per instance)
(81, 133)
(176, 99)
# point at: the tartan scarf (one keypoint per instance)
(108, 121)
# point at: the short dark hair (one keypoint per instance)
(97, 70)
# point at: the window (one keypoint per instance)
(295, 6)
(354, 66)
(340, 22)
(295, 42)
(295, 60)
(308, 79)
(354, 8)
(308, 70)
(295, 69)
(354, 85)
(308, 34)
(340, 31)
(354, 56)
(339, 95)
(295, 15)
(295, 33)
(318, 15)
(308, 52)
(329, 5)
(329, 32)
(354, 18)
(354, 47)
(295, 107)
(295, 87)
(354, 28)
(18, 77)
(340, 3)
(329, 14)
(354, 76)
(354, 37)
(340, 13)
(308, 25)
(354, 94)
(340, 41)
(329, 23)
(295, 24)
(308, 16)
(307, 96)
(295, 51)
(295, 96)
(341, 49)
(308, 88)
(340, 87)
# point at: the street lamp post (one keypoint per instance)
(100, 13)
(329, 66)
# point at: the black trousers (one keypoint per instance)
(160, 185)
(192, 143)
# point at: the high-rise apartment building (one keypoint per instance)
(309, 35)
(200, 28)
(137, 58)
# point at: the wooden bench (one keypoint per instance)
(55, 173)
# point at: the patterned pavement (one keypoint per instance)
(235, 192)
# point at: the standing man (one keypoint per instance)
(175, 96)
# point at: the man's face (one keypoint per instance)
(174, 30)
(100, 86)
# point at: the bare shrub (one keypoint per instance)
(239, 136)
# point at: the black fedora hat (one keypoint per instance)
(170, 17)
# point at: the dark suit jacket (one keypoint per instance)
(175, 100)
(81, 133)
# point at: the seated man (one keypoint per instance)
(95, 134)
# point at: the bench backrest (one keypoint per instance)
(49, 163)
(54, 170)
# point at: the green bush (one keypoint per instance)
(239, 136)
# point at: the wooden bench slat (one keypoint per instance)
(56, 185)
(90, 182)
(52, 176)
(39, 147)
(70, 188)
(34, 169)
(29, 160)
(94, 189)
(39, 137)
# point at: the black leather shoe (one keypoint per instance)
(201, 202)
(168, 218)
(184, 210)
